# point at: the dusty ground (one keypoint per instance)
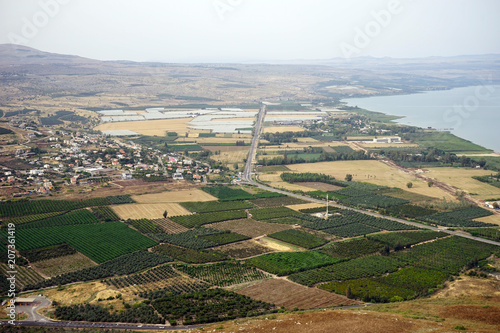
(462, 178)
(65, 264)
(373, 172)
(290, 295)
(174, 196)
(249, 227)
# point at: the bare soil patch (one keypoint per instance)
(485, 314)
(242, 250)
(329, 321)
(290, 295)
(66, 264)
(249, 227)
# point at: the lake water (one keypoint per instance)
(472, 113)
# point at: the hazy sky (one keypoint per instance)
(252, 30)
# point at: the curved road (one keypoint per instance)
(247, 178)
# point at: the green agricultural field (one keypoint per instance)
(215, 206)
(189, 256)
(223, 274)
(446, 141)
(352, 249)
(100, 242)
(271, 213)
(197, 220)
(285, 263)
(299, 238)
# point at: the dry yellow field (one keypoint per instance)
(490, 219)
(174, 196)
(307, 140)
(462, 178)
(149, 211)
(305, 206)
(151, 127)
(281, 129)
(277, 245)
(231, 157)
(372, 172)
(360, 138)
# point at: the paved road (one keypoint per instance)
(247, 178)
(247, 173)
(100, 325)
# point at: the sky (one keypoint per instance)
(252, 30)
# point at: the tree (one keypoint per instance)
(430, 183)
(348, 292)
(165, 213)
(495, 205)
(348, 177)
(409, 184)
(235, 166)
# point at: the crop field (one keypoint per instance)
(100, 242)
(374, 265)
(48, 252)
(150, 127)
(299, 238)
(123, 265)
(488, 233)
(197, 220)
(82, 216)
(449, 254)
(177, 284)
(271, 213)
(243, 249)
(223, 274)
(30, 218)
(462, 178)
(411, 211)
(215, 206)
(290, 295)
(459, 218)
(149, 211)
(30, 207)
(249, 227)
(24, 275)
(402, 194)
(144, 226)
(406, 238)
(208, 306)
(189, 256)
(285, 263)
(225, 193)
(352, 249)
(105, 214)
(405, 284)
(174, 196)
(61, 265)
(373, 172)
(170, 227)
(225, 238)
(278, 201)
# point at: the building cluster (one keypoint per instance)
(59, 158)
